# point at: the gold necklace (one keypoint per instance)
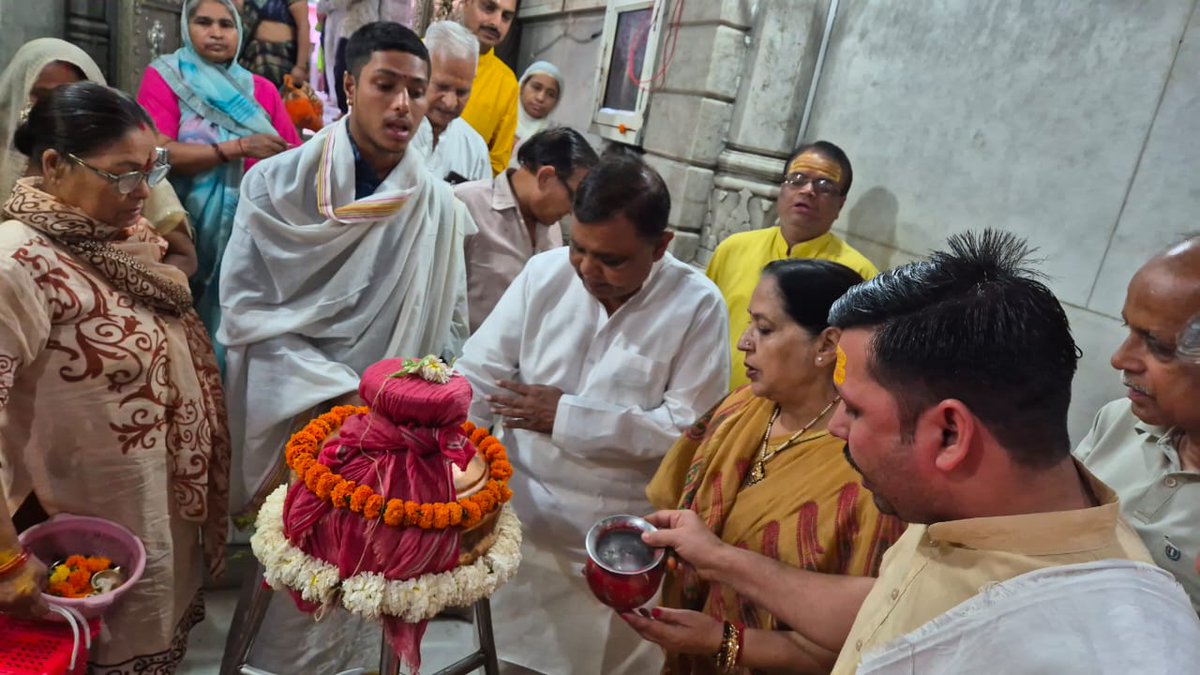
(758, 470)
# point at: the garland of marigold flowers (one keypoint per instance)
(301, 453)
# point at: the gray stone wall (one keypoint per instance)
(1076, 125)
(24, 20)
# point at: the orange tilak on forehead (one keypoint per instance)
(816, 166)
(839, 370)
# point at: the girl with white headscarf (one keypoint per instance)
(541, 88)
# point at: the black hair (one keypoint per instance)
(560, 147)
(973, 323)
(829, 151)
(80, 119)
(810, 287)
(382, 36)
(621, 184)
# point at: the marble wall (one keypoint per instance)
(1076, 125)
(23, 21)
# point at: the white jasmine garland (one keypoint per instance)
(372, 595)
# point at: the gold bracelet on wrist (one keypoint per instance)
(731, 644)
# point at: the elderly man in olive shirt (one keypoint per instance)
(1147, 446)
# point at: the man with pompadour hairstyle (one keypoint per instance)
(955, 377)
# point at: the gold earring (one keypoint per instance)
(23, 116)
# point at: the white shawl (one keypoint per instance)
(316, 286)
(1109, 617)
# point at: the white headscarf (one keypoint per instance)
(15, 83)
(526, 125)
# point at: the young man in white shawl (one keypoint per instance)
(344, 251)
(452, 149)
(597, 357)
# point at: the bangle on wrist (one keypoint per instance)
(241, 148)
(220, 153)
(728, 657)
(14, 563)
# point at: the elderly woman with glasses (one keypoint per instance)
(110, 398)
(39, 67)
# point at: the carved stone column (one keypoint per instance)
(775, 81)
(689, 115)
(145, 29)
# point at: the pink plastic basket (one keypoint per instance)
(41, 647)
(65, 535)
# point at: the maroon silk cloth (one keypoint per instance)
(402, 449)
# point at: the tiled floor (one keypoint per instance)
(446, 641)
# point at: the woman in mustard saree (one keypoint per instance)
(762, 470)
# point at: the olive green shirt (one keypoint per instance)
(1160, 500)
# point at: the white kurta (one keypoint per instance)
(633, 381)
(309, 302)
(459, 149)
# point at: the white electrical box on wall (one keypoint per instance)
(628, 57)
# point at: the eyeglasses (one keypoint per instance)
(128, 182)
(821, 186)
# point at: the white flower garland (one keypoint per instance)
(372, 595)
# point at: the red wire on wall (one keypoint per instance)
(643, 37)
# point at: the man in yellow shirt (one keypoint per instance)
(492, 109)
(815, 184)
(955, 378)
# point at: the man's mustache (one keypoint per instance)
(846, 453)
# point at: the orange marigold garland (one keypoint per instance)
(304, 446)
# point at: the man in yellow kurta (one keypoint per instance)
(492, 109)
(815, 184)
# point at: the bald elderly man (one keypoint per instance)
(1146, 446)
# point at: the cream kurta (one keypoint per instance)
(633, 381)
(498, 253)
(933, 568)
(459, 149)
(103, 414)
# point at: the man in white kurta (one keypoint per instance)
(595, 360)
(459, 149)
(452, 149)
(344, 252)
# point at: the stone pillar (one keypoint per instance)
(690, 113)
(776, 78)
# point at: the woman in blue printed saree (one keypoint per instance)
(216, 119)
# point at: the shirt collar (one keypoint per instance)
(805, 249)
(503, 197)
(1160, 439)
(366, 181)
(1038, 533)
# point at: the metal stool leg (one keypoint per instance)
(487, 642)
(247, 619)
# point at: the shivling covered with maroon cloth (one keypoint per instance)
(405, 448)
